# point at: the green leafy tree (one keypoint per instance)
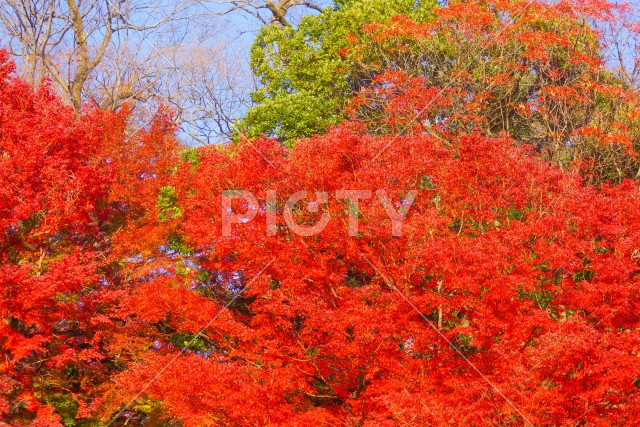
(306, 77)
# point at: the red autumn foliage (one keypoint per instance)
(124, 303)
(561, 76)
(71, 190)
(530, 274)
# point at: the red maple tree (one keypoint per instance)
(529, 274)
(71, 189)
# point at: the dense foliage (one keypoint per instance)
(306, 79)
(508, 295)
(536, 71)
(72, 190)
(530, 274)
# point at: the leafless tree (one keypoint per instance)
(208, 86)
(621, 42)
(68, 40)
(270, 11)
(145, 53)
